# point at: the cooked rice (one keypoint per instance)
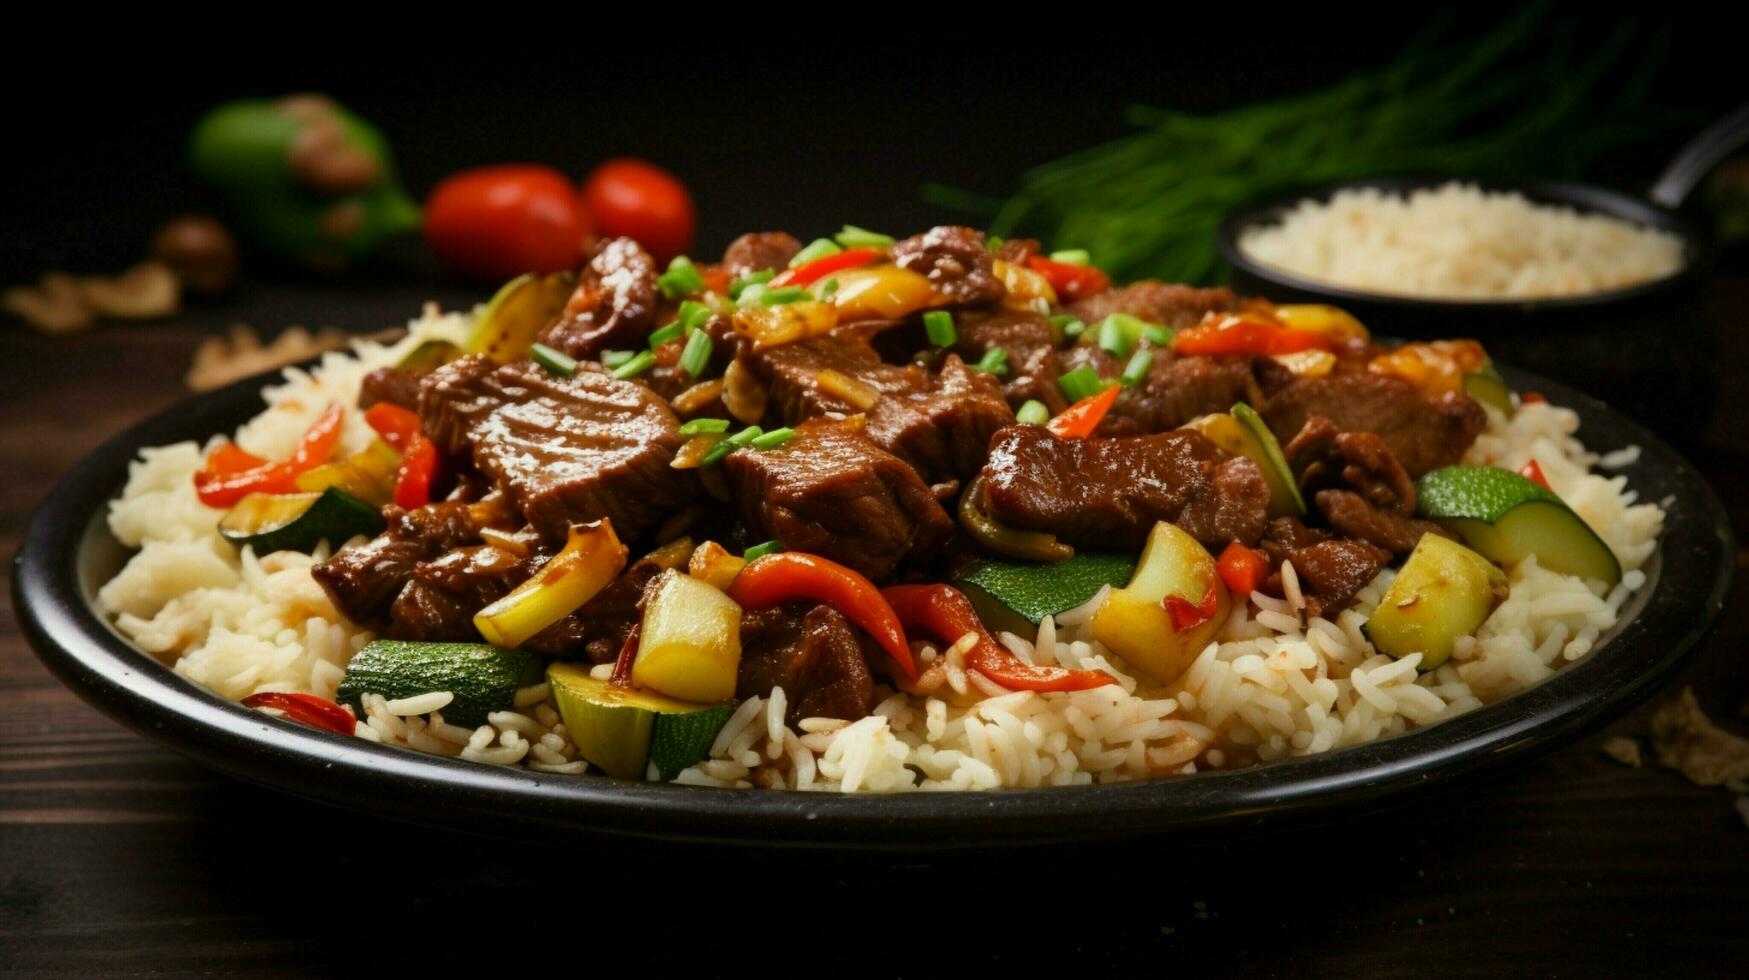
(1272, 685)
(1458, 241)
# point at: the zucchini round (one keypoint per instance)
(270, 522)
(483, 678)
(1444, 591)
(623, 731)
(1506, 517)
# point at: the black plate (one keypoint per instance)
(68, 552)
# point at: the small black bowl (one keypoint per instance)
(1648, 349)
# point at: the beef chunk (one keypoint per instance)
(813, 654)
(1168, 304)
(1351, 514)
(614, 306)
(364, 581)
(956, 262)
(455, 397)
(758, 250)
(833, 492)
(1176, 390)
(1424, 432)
(1028, 341)
(440, 600)
(1320, 456)
(1108, 493)
(390, 384)
(1331, 571)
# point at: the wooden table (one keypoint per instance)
(119, 858)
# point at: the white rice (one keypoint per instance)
(1268, 687)
(1458, 241)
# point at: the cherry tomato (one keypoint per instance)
(501, 221)
(639, 200)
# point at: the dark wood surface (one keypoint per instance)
(120, 858)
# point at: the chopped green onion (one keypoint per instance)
(681, 278)
(829, 287)
(1072, 256)
(1081, 383)
(698, 427)
(639, 363)
(783, 295)
(1113, 338)
(671, 332)
(761, 550)
(697, 354)
(993, 243)
(1137, 369)
(729, 445)
(1074, 327)
(611, 359)
(774, 438)
(750, 295)
(557, 362)
(939, 325)
(693, 315)
(994, 361)
(1157, 335)
(1033, 412)
(819, 248)
(737, 286)
(851, 236)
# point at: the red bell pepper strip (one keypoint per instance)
(1070, 281)
(1534, 473)
(229, 458)
(1243, 335)
(790, 575)
(716, 279)
(1185, 615)
(1243, 569)
(395, 424)
(809, 273)
(1080, 419)
(944, 612)
(627, 659)
(306, 709)
(416, 472)
(1533, 398)
(220, 486)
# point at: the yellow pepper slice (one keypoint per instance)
(591, 558)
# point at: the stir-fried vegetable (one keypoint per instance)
(1443, 592)
(689, 643)
(395, 424)
(306, 709)
(1507, 516)
(1142, 623)
(790, 575)
(231, 474)
(1002, 539)
(810, 272)
(1243, 433)
(882, 292)
(1486, 385)
(481, 679)
(269, 522)
(624, 732)
(1436, 366)
(1070, 281)
(712, 563)
(942, 612)
(368, 475)
(1079, 420)
(592, 556)
(1016, 596)
(416, 473)
(1243, 570)
(1244, 333)
(773, 326)
(517, 313)
(1332, 322)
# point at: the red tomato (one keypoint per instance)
(639, 200)
(501, 221)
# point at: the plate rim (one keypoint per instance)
(87, 654)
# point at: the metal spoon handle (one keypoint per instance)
(1699, 157)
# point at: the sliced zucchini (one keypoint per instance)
(270, 522)
(517, 313)
(1136, 622)
(1444, 591)
(1016, 596)
(1489, 388)
(1243, 433)
(622, 731)
(689, 645)
(482, 678)
(1506, 517)
(429, 356)
(368, 475)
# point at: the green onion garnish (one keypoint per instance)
(819, 248)
(994, 361)
(693, 315)
(671, 332)
(697, 354)
(698, 427)
(1033, 412)
(639, 363)
(611, 359)
(783, 295)
(750, 295)
(1074, 327)
(1072, 256)
(774, 438)
(557, 362)
(1113, 338)
(1137, 369)
(729, 445)
(1157, 335)
(737, 286)
(828, 287)
(761, 550)
(939, 325)
(1080, 383)
(851, 236)
(681, 278)
(993, 243)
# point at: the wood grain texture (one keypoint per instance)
(118, 858)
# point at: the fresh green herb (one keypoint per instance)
(938, 324)
(1081, 383)
(639, 363)
(670, 332)
(819, 248)
(760, 278)
(693, 315)
(993, 243)
(1033, 412)
(773, 439)
(1114, 339)
(1071, 326)
(557, 362)
(696, 356)
(761, 550)
(851, 236)
(729, 445)
(994, 361)
(1072, 256)
(828, 287)
(750, 295)
(1157, 335)
(698, 427)
(1137, 369)
(611, 359)
(681, 278)
(783, 295)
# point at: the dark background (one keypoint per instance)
(118, 858)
